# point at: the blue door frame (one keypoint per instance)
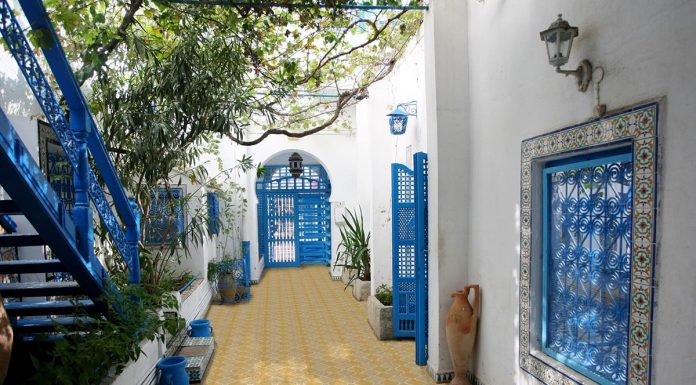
(294, 217)
(420, 165)
(410, 253)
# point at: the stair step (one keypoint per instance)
(39, 325)
(40, 289)
(9, 207)
(32, 266)
(21, 240)
(26, 308)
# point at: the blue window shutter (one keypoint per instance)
(213, 213)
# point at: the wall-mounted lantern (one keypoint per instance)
(398, 119)
(295, 163)
(559, 41)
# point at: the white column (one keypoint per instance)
(447, 105)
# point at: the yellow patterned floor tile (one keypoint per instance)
(300, 327)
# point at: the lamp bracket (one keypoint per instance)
(411, 108)
(583, 74)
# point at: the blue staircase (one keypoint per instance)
(38, 307)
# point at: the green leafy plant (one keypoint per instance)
(105, 345)
(354, 248)
(384, 294)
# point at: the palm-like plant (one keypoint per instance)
(354, 249)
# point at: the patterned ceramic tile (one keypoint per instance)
(639, 126)
(301, 327)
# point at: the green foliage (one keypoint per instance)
(224, 69)
(384, 294)
(108, 343)
(354, 248)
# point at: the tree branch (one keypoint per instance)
(127, 20)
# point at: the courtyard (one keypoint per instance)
(305, 329)
(348, 192)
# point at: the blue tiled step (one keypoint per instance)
(32, 266)
(8, 207)
(39, 289)
(27, 308)
(40, 325)
(21, 240)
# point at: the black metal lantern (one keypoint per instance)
(559, 41)
(295, 163)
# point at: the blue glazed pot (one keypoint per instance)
(173, 371)
(200, 328)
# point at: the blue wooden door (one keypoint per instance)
(314, 227)
(294, 217)
(403, 251)
(281, 232)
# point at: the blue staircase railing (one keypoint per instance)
(79, 138)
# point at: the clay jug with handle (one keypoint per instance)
(460, 329)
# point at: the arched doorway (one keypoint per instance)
(294, 216)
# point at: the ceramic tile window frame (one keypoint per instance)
(636, 127)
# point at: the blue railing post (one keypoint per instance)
(82, 212)
(133, 237)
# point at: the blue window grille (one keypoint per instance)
(294, 216)
(165, 222)
(587, 264)
(213, 213)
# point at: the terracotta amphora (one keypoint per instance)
(461, 331)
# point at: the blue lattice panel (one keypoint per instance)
(403, 251)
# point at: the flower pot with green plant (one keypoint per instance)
(354, 254)
(222, 278)
(379, 313)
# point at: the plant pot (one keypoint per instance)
(227, 287)
(380, 318)
(200, 328)
(361, 289)
(347, 273)
(173, 371)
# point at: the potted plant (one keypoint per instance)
(222, 278)
(354, 254)
(379, 312)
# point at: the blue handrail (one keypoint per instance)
(75, 138)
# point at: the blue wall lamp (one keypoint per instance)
(398, 119)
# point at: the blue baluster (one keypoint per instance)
(133, 236)
(82, 212)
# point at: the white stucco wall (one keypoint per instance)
(380, 149)
(648, 50)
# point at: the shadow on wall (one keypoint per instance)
(16, 98)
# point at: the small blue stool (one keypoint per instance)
(173, 371)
